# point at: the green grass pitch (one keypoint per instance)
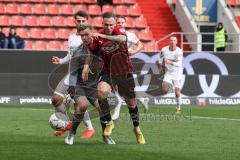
(212, 133)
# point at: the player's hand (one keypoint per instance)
(55, 60)
(167, 61)
(97, 35)
(162, 70)
(86, 71)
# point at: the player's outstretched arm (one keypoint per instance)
(55, 60)
(115, 38)
(138, 48)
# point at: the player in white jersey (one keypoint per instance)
(171, 57)
(134, 46)
(68, 83)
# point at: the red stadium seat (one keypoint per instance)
(237, 18)
(49, 33)
(73, 31)
(117, 2)
(65, 45)
(89, 20)
(35, 33)
(28, 45)
(90, 1)
(146, 35)
(12, 8)
(97, 22)
(129, 2)
(151, 46)
(80, 8)
(62, 1)
(94, 10)
(17, 21)
(232, 2)
(67, 9)
(53, 9)
(22, 32)
(121, 10)
(76, 1)
(129, 22)
(44, 21)
(36, 1)
(31, 21)
(63, 33)
(107, 8)
(4, 21)
(25, 9)
(6, 30)
(39, 9)
(134, 10)
(135, 31)
(54, 45)
(21, 1)
(49, 1)
(58, 21)
(70, 21)
(40, 45)
(140, 22)
(2, 9)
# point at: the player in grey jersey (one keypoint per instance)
(74, 41)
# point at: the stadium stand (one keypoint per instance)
(234, 5)
(40, 15)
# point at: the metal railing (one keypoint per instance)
(232, 45)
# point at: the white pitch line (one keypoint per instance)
(215, 118)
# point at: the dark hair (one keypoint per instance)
(81, 14)
(122, 18)
(83, 27)
(108, 15)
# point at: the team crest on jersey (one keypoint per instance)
(109, 47)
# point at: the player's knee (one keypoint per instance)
(81, 104)
(166, 87)
(131, 102)
(103, 90)
(56, 100)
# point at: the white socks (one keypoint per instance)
(117, 107)
(87, 121)
(178, 102)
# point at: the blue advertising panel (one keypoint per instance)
(203, 10)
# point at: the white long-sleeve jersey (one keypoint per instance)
(74, 41)
(132, 39)
(176, 56)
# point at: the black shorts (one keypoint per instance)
(124, 83)
(86, 89)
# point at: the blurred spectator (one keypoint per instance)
(104, 2)
(220, 37)
(3, 40)
(15, 41)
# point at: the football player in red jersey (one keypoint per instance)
(111, 46)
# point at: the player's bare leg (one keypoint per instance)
(81, 105)
(57, 101)
(105, 117)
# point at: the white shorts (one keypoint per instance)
(175, 80)
(61, 89)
